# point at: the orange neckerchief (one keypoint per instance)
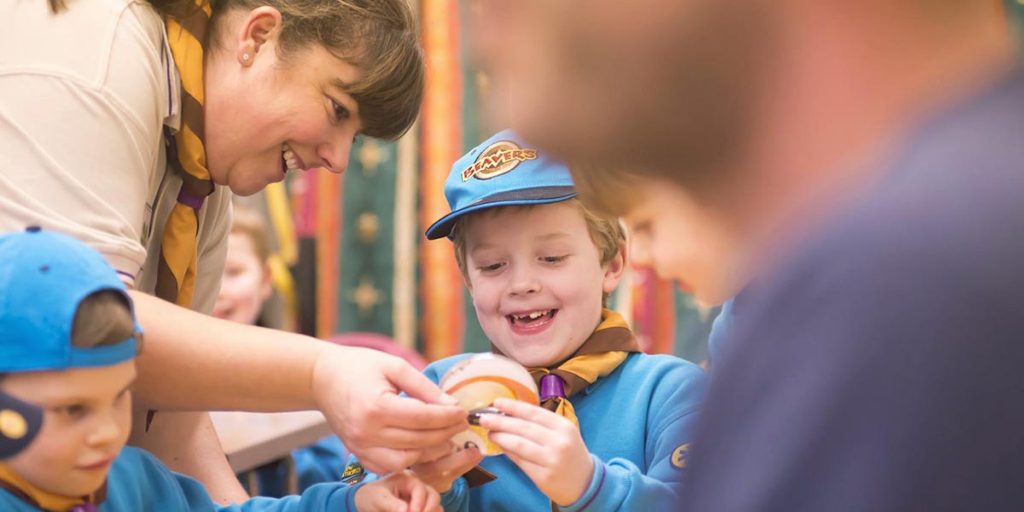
(44, 500)
(600, 355)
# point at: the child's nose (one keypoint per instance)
(108, 429)
(523, 283)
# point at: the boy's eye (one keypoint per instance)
(554, 259)
(72, 411)
(640, 227)
(340, 112)
(490, 268)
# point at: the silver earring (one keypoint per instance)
(245, 57)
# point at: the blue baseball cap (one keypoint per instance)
(44, 276)
(501, 171)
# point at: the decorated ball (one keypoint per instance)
(476, 382)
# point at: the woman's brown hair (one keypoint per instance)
(376, 36)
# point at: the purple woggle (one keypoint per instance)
(551, 386)
(194, 202)
(84, 507)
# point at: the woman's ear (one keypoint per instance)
(256, 29)
(613, 270)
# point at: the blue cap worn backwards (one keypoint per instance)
(501, 171)
(44, 276)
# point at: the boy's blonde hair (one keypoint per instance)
(103, 318)
(608, 191)
(249, 222)
(605, 231)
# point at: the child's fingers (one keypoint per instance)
(531, 469)
(433, 502)
(380, 495)
(529, 412)
(417, 492)
(522, 427)
(521, 447)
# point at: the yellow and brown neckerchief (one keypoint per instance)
(600, 355)
(176, 273)
(603, 352)
(47, 501)
(186, 155)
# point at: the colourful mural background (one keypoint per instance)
(362, 264)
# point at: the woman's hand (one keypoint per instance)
(440, 473)
(358, 389)
(398, 492)
(546, 446)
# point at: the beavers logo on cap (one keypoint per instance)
(497, 159)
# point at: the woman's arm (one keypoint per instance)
(194, 362)
(186, 442)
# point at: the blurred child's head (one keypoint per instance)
(68, 340)
(669, 229)
(245, 285)
(536, 261)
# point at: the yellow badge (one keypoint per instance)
(353, 474)
(497, 159)
(12, 424)
(679, 456)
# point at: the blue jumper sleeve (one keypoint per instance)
(621, 485)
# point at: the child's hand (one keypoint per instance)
(398, 492)
(440, 473)
(546, 446)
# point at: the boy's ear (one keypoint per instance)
(613, 270)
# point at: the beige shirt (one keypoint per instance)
(84, 98)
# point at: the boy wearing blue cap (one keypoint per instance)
(614, 425)
(68, 340)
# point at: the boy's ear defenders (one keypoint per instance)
(20, 422)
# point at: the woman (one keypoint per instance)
(127, 124)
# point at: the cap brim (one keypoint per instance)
(537, 195)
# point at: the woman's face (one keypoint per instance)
(266, 116)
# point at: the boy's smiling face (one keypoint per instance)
(681, 240)
(536, 279)
(87, 419)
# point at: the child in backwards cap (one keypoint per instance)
(68, 340)
(614, 425)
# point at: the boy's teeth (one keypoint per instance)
(531, 316)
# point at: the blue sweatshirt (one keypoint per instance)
(138, 481)
(636, 423)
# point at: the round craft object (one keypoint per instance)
(476, 382)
